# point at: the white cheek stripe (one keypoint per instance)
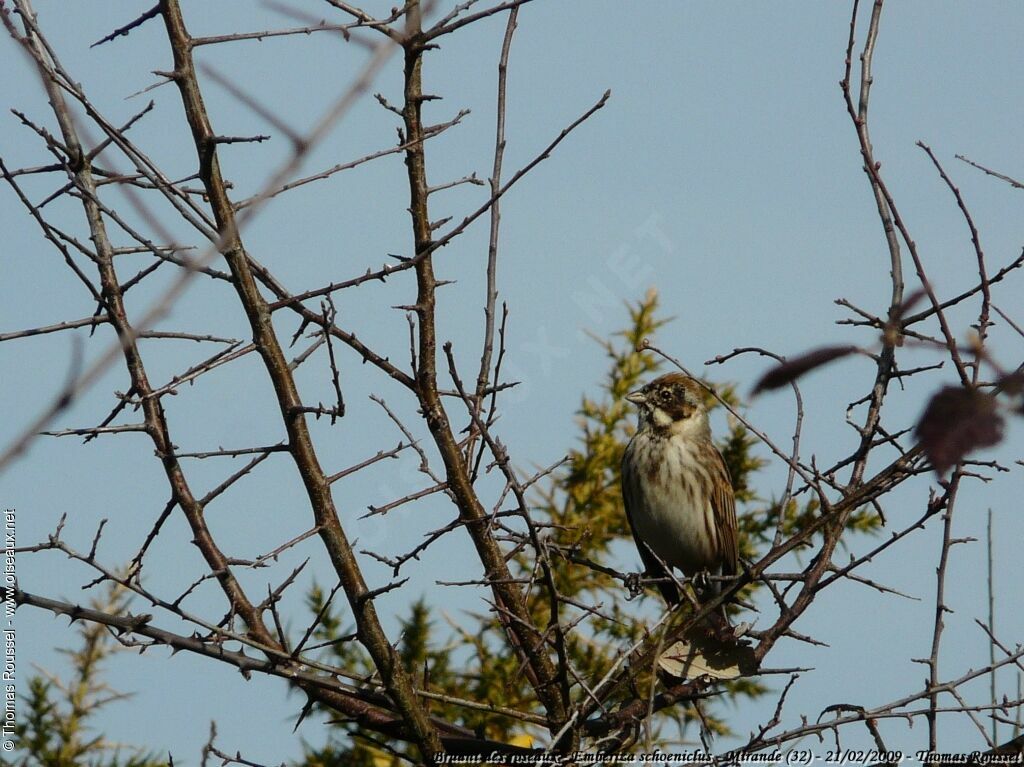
(660, 417)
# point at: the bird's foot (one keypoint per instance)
(633, 586)
(724, 632)
(701, 581)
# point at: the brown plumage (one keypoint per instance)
(676, 487)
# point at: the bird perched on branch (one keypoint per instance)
(676, 487)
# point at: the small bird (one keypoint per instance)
(676, 487)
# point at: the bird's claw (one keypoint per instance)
(633, 586)
(729, 634)
(701, 580)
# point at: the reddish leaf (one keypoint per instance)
(1012, 383)
(956, 421)
(909, 303)
(788, 371)
(892, 333)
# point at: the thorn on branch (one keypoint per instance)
(369, 596)
(239, 139)
(386, 104)
(96, 540)
(123, 31)
(330, 313)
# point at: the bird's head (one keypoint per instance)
(673, 403)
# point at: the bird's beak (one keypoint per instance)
(637, 397)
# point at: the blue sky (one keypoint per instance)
(724, 171)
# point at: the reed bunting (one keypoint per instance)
(676, 487)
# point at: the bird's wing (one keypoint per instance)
(652, 566)
(723, 506)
